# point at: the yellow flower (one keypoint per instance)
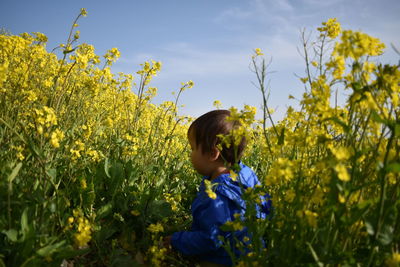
(3, 72)
(217, 104)
(236, 225)
(190, 84)
(83, 12)
(258, 52)
(342, 172)
(56, 137)
(157, 255)
(332, 28)
(208, 190)
(187, 85)
(338, 64)
(281, 171)
(233, 175)
(155, 228)
(40, 37)
(290, 195)
(77, 35)
(135, 212)
(341, 153)
(83, 234)
(358, 44)
(211, 194)
(304, 80)
(393, 261)
(83, 183)
(112, 55)
(311, 218)
(19, 150)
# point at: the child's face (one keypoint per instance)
(201, 161)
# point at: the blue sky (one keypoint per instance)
(207, 41)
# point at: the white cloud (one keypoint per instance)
(233, 13)
(320, 4)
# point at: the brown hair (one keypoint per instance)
(206, 128)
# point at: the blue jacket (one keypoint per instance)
(209, 214)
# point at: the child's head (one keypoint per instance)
(204, 131)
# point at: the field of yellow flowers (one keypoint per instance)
(94, 174)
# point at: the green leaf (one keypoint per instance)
(393, 167)
(105, 232)
(14, 172)
(121, 259)
(52, 173)
(314, 254)
(104, 211)
(117, 177)
(25, 229)
(11, 234)
(69, 252)
(160, 209)
(50, 249)
(107, 167)
(375, 116)
(35, 149)
(397, 130)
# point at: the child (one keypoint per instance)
(210, 210)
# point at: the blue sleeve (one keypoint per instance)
(208, 215)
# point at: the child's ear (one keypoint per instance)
(214, 155)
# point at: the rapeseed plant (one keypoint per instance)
(89, 159)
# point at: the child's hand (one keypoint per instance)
(167, 242)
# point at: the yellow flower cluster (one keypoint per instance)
(338, 65)
(83, 228)
(187, 85)
(235, 225)
(331, 28)
(155, 228)
(173, 200)
(342, 155)
(84, 54)
(209, 189)
(394, 260)
(310, 216)
(157, 255)
(217, 104)
(257, 53)
(281, 171)
(44, 117)
(3, 74)
(83, 12)
(79, 147)
(56, 137)
(149, 69)
(18, 149)
(357, 44)
(112, 55)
